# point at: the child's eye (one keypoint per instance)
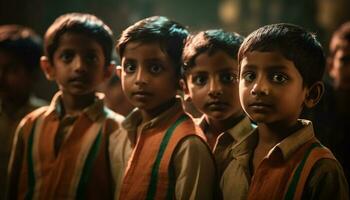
(67, 56)
(279, 78)
(249, 76)
(92, 58)
(228, 78)
(199, 80)
(129, 67)
(156, 69)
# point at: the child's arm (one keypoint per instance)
(15, 164)
(194, 170)
(326, 181)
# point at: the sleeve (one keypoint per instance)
(326, 181)
(15, 163)
(194, 170)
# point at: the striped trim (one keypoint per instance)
(152, 188)
(88, 166)
(86, 145)
(295, 179)
(33, 160)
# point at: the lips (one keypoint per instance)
(78, 80)
(260, 105)
(216, 105)
(141, 94)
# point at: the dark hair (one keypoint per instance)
(340, 38)
(294, 43)
(22, 42)
(210, 41)
(81, 23)
(169, 34)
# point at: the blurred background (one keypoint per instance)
(319, 16)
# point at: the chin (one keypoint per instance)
(218, 116)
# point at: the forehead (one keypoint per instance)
(267, 60)
(144, 50)
(79, 41)
(212, 62)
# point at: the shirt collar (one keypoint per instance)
(94, 111)
(293, 142)
(238, 133)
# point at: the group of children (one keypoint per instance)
(249, 143)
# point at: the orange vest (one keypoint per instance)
(150, 174)
(80, 171)
(286, 179)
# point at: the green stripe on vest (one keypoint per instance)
(88, 167)
(154, 174)
(295, 179)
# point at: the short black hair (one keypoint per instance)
(294, 43)
(81, 23)
(24, 43)
(210, 41)
(169, 34)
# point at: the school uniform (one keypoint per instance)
(227, 143)
(163, 158)
(298, 167)
(63, 157)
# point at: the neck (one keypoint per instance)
(271, 134)
(148, 115)
(73, 105)
(216, 127)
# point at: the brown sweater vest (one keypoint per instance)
(80, 171)
(286, 179)
(150, 174)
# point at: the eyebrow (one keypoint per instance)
(268, 67)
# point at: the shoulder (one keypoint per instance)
(32, 116)
(326, 180)
(113, 120)
(27, 123)
(192, 144)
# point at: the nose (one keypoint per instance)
(215, 88)
(260, 88)
(141, 76)
(79, 64)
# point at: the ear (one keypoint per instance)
(109, 70)
(185, 90)
(314, 94)
(48, 68)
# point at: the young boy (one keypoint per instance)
(61, 151)
(20, 52)
(210, 73)
(281, 68)
(158, 145)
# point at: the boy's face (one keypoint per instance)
(213, 87)
(148, 76)
(340, 68)
(271, 88)
(15, 80)
(78, 64)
